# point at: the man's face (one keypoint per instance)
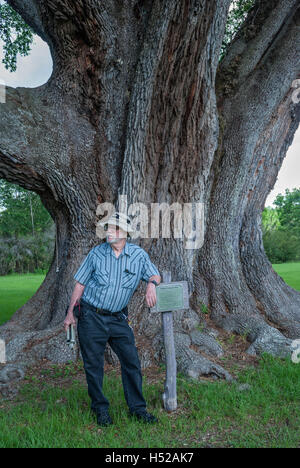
(114, 234)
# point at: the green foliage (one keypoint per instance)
(16, 35)
(238, 12)
(21, 211)
(27, 231)
(281, 228)
(270, 220)
(280, 247)
(288, 209)
(204, 309)
(30, 254)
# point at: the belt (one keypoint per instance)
(101, 311)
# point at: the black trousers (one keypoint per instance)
(94, 331)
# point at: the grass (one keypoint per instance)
(15, 290)
(290, 273)
(52, 406)
(52, 410)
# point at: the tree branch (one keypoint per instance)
(255, 97)
(17, 129)
(281, 308)
(30, 13)
(65, 20)
(265, 26)
(272, 147)
(48, 147)
(94, 47)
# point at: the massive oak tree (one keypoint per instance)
(139, 104)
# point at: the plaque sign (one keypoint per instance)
(171, 296)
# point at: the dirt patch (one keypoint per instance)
(63, 375)
(234, 360)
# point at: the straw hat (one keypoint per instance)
(121, 220)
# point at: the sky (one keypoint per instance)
(35, 70)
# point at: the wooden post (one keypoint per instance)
(170, 394)
(171, 296)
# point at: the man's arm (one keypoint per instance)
(76, 295)
(151, 292)
(150, 272)
(156, 278)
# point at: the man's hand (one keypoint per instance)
(150, 295)
(70, 320)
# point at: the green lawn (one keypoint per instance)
(289, 272)
(15, 290)
(52, 407)
(52, 410)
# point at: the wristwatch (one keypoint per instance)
(154, 282)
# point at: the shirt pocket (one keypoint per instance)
(128, 279)
(102, 278)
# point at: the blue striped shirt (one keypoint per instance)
(110, 281)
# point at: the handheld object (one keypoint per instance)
(71, 336)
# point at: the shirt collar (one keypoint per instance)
(124, 251)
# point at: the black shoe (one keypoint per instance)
(144, 416)
(103, 418)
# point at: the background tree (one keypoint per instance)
(138, 104)
(288, 209)
(281, 247)
(281, 228)
(27, 254)
(236, 16)
(27, 231)
(16, 35)
(270, 220)
(22, 212)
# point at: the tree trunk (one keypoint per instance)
(138, 106)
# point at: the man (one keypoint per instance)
(106, 280)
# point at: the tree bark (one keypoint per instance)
(137, 105)
(258, 120)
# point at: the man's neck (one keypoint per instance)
(118, 246)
